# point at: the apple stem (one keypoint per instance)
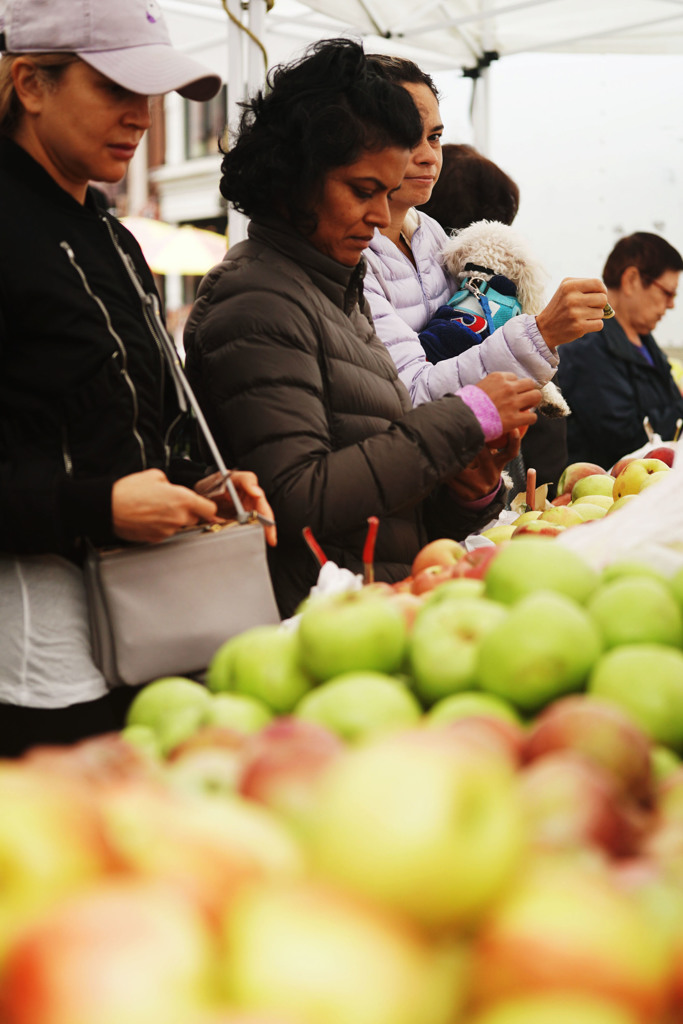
(531, 490)
(677, 434)
(369, 550)
(314, 546)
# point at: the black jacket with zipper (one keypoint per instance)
(85, 396)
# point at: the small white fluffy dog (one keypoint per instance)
(498, 249)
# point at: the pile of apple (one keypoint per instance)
(478, 871)
(586, 492)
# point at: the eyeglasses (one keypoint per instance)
(671, 296)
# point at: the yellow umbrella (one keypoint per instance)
(172, 249)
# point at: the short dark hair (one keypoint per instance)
(471, 187)
(650, 254)
(400, 70)
(316, 113)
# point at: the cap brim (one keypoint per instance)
(155, 70)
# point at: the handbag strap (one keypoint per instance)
(186, 396)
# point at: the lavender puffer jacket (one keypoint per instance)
(403, 299)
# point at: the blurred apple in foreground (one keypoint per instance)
(476, 563)
(601, 731)
(357, 705)
(173, 707)
(349, 632)
(125, 951)
(325, 958)
(237, 711)
(443, 551)
(567, 928)
(565, 1008)
(283, 766)
(572, 802)
(646, 680)
(51, 843)
(540, 527)
(532, 563)
(543, 649)
(405, 821)
(442, 651)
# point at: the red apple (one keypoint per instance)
(621, 464)
(443, 551)
(562, 499)
(575, 471)
(475, 563)
(284, 766)
(666, 453)
(572, 802)
(430, 577)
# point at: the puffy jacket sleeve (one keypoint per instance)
(517, 347)
(259, 371)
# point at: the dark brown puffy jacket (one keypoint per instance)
(297, 387)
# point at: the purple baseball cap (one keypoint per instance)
(126, 40)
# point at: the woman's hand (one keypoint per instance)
(251, 495)
(147, 507)
(575, 309)
(482, 475)
(515, 399)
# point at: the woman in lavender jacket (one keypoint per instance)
(405, 282)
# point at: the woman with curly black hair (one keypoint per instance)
(282, 351)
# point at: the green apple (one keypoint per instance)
(533, 563)
(497, 534)
(596, 483)
(443, 645)
(634, 475)
(631, 566)
(238, 711)
(471, 703)
(604, 500)
(265, 665)
(564, 515)
(356, 705)
(555, 1008)
(646, 680)
(527, 517)
(574, 472)
(665, 762)
(158, 699)
(421, 826)
(543, 649)
(620, 503)
(309, 954)
(636, 609)
(462, 586)
(350, 632)
(172, 707)
(587, 511)
(142, 737)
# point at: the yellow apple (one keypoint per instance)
(620, 502)
(605, 500)
(527, 517)
(632, 476)
(597, 483)
(564, 515)
(587, 510)
(502, 531)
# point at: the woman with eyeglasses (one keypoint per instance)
(614, 379)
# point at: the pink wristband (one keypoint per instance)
(484, 409)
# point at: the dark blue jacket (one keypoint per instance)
(610, 387)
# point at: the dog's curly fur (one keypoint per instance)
(496, 246)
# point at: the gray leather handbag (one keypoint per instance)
(164, 609)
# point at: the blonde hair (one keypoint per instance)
(49, 67)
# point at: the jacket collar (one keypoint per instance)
(21, 165)
(342, 285)
(618, 344)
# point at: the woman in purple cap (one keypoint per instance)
(86, 404)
